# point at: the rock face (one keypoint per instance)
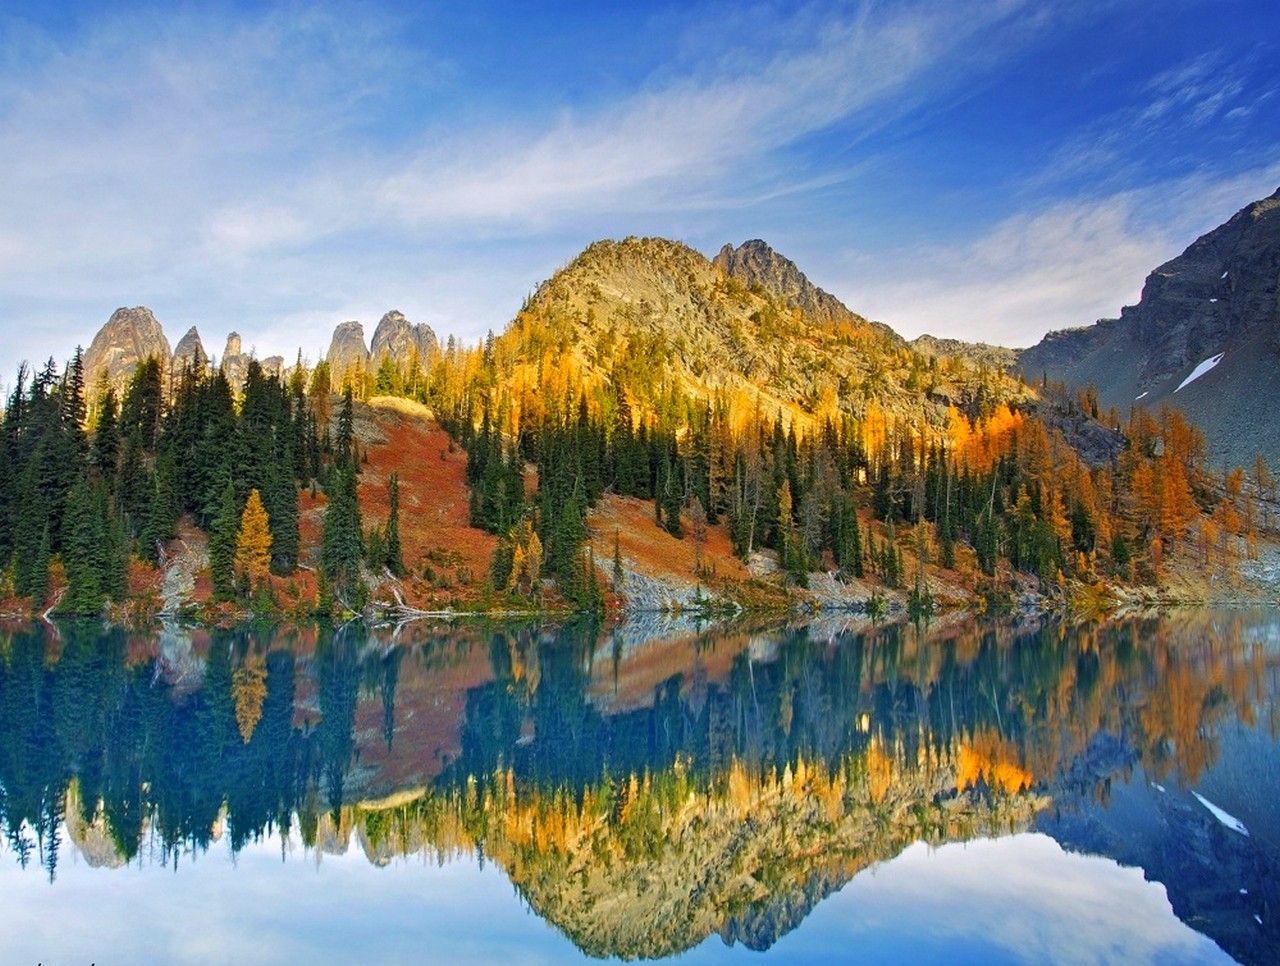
(190, 352)
(755, 263)
(235, 364)
(129, 337)
(1218, 296)
(347, 357)
(661, 312)
(401, 341)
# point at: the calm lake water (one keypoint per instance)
(1076, 793)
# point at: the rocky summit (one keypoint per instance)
(348, 357)
(129, 337)
(401, 341)
(755, 263)
(190, 352)
(1205, 337)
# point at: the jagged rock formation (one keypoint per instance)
(235, 364)
(129, 337)
(405, 344)
(754, 263)
(1217, 297)
(347, 357)
(190, 352)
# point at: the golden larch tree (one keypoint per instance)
(253, 540)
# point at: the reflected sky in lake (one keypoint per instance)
(1020, 899)
(975, 794)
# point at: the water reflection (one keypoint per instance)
(645, 792)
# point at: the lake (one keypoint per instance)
(826, 791)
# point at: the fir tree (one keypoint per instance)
(342, 544)
(222, 545)
(395, 557)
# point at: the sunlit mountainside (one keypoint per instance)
(653, 430)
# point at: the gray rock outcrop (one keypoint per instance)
(347, 357)
(190, 352)
(129, 337)
(1219, 297)
(404, 343)
(235, 364)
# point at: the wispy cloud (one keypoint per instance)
(233, 165)
(1065, 265)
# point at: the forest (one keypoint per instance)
(988, 482)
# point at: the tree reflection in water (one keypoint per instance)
(640, 794)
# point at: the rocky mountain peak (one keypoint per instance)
(129, 337)
(755, 263)
(235, 364)
(402, 341)
(347, 355)
(1219, 298)
(190, 351)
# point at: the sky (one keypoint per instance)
(1014, 900)
(979, 169)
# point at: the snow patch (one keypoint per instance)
(1213, 300)
(1230, 821)
(1258, 917)
(1136, 398)
(1244, 892)
(1200, 370)
(1223, 275)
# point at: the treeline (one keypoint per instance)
(993, 488)
(76, 505)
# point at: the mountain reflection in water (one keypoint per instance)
(645, 792)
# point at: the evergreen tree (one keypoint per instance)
(342, 544)
(105, 452)
(222, 545)
(395, 557)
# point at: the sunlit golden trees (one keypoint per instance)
(253, 542)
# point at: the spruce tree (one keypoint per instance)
(222, 545)
(342, 543)
(395, 558)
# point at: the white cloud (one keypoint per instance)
(1063, 266)
(1021, 897)
(272, 167)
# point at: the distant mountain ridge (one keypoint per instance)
(1218, 298)
(132, 335)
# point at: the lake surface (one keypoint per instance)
(836, 791)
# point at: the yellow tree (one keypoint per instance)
(249, 691)
(253, 541)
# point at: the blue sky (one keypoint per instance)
(983, 170)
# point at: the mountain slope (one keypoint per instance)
(658, 313)
(1219, 297)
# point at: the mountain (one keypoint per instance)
(190, 351)
(129, 337)
(754, 263)
(401, 341)
(653, 313)
(1204, 337)
(347, 355)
